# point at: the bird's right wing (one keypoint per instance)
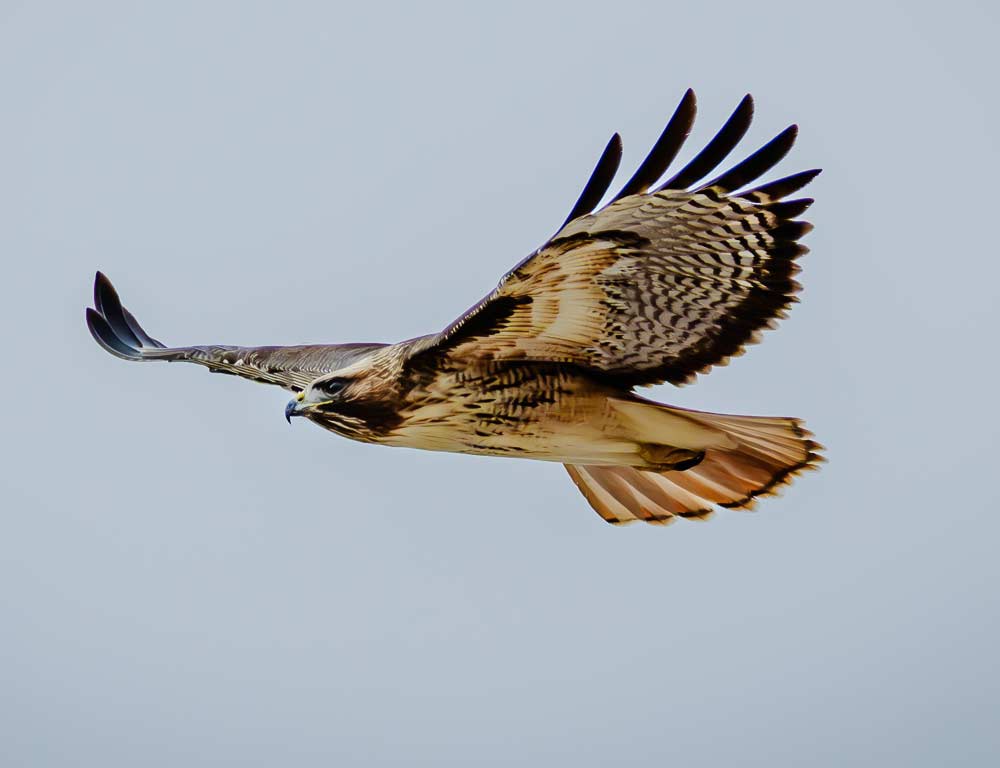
(293, 368)
(665, 281)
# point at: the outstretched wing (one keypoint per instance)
(663, 282)
(115, 329)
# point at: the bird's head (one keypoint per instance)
(357, 399)
(323, 396)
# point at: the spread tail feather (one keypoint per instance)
(764, 454)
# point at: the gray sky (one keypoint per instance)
(185, 580)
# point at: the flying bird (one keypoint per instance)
(668, 279)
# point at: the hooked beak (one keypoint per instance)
(292, 409)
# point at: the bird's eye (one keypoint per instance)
(331, 387)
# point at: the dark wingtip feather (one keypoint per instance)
(665, 149)
(776, 190)
(109, 305)
(99, 280)
(791, 230)
(105, 336)
(113, 326)
(789, 209)
(757, 164)
(599, 181)
(717, 149)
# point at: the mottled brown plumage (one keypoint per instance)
(657, 286)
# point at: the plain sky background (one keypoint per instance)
(187, 581)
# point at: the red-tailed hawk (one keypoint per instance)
(668, 279)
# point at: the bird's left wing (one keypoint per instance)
(660, 284)
(291, 367)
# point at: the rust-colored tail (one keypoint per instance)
(767, 452)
